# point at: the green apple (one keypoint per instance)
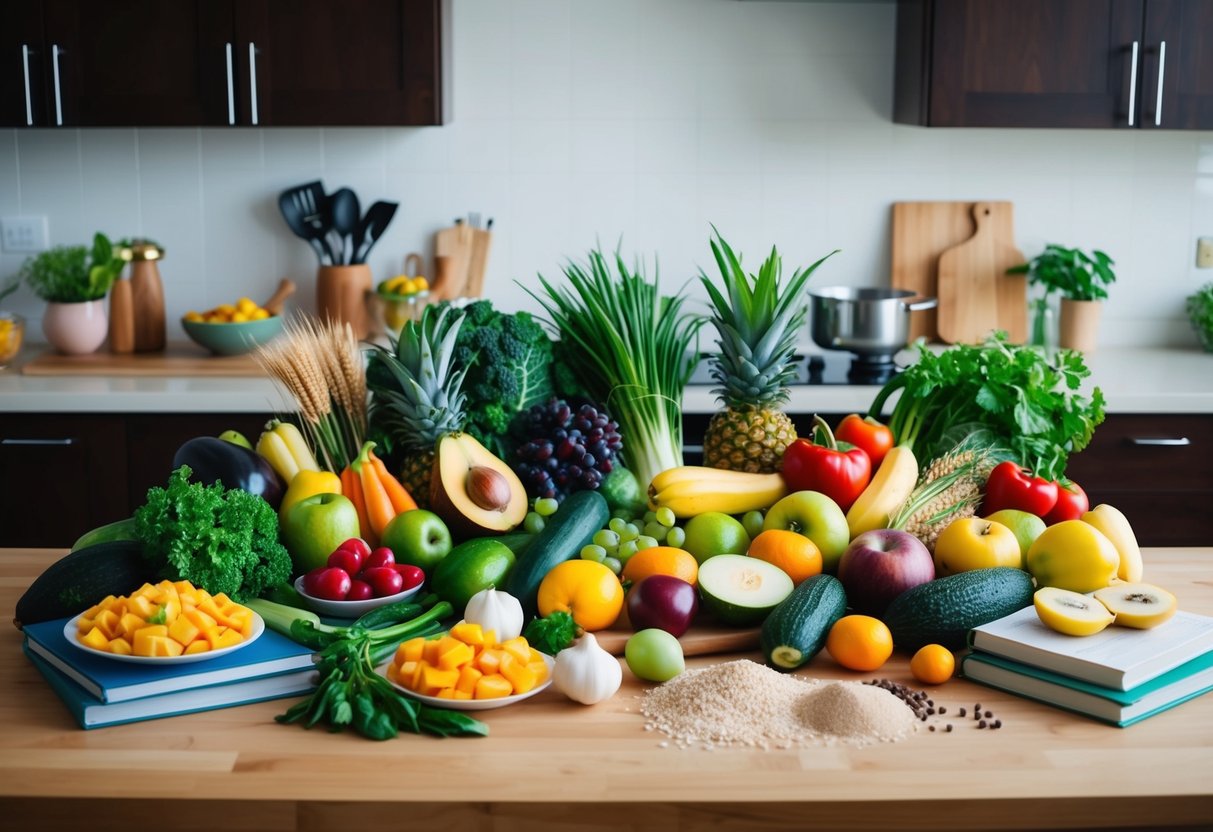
(236, 438)
(1025, 525)
(314, 528)
(752, 520)
(715, 533)
(818, 518)
(418, 537)
(973, 543)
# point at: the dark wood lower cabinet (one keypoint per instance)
(63, 474)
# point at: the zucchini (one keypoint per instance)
(120, 530)
(944, 610)
(796, 630)
(574, 524)
(80, 579)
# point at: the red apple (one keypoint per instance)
(664, 602)
(880, 565)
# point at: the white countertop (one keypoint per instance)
(1133, 380)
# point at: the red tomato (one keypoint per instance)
(1072, 503)
(867, 433)
(1011, 486)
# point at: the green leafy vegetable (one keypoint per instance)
(552, 633)
(1199, 306)
(1031, 407)
(71, 274)
(223, 540)
(1073, 273)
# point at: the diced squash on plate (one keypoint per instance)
(521, 677)
(455, 656)
(492, 686)
(430, 651)
(107, 622)
(489, 661)
(468, 677)
(518, 648)
(120, 647)
(198, 646)
(96, 639)
(411, 650)
(468, 633)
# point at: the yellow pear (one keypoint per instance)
(1116, 528)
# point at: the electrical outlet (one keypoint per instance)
(1204, 253)
(24, 235)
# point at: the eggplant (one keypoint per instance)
(215, 460)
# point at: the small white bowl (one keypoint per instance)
(350, 609)
(474, 704)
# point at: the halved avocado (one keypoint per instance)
(472, 490)
(741, 591)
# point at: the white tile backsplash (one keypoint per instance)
(636, 123)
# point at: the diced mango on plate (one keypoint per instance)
(467, 663)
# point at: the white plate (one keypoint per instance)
(473, 704)
(69, 632)
(350, 609)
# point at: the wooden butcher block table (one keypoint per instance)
(549, 764)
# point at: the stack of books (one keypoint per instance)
(100, 691)
(1120, 675)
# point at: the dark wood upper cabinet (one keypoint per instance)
(1055, 63)
(243, 63)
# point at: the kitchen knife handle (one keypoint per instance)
(55, 50)
(1173, 442)
(252, 78)
(1162, 66)
(1133, 84)
(29, 104)
(231, 90)
(28, 442)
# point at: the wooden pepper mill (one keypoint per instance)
(147, 296)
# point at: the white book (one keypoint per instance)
(1119, 657)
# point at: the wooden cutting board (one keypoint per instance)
(700, 640)
(976, 296)
(453, 251)
(177, 360)
(922, 231)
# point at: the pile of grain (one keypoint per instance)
(745, 703)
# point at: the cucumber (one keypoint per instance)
(741, 591)
(80, 579)
(944, 610)
(574, 524)
(796, 630)
(120, 530)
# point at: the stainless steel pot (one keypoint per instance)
(868, 322)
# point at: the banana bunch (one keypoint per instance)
(891, 486)
(287, 452)
(691, 489)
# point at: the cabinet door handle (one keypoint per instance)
(55, 442)
(55, 50)
(1162, 67)
(252, 78)
(29, 104)
(1133, 85)
(231, 90)
(1169, 441)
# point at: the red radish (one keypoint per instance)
(384, 580)
(347, 559)
(383, 556)
(412, 575)
(360, 591)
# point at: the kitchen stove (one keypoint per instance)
(839, 368)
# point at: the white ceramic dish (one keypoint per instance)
(473, 704)
(351, 609)
(69, 632)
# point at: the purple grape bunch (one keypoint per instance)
(568, 450)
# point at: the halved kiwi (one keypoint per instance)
(1138, 605)
(1071, 613)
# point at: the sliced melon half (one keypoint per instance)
(741, 591)
(1138, 605)
(1071, 613)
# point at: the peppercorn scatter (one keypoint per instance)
(924, 707)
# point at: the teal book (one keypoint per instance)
(1119, 707)
(114, 681)
(91, 712)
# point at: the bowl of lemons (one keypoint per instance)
(401, 299)
(232, 328)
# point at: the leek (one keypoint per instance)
(633, 349)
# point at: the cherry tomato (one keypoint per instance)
(348, 559)
(412, 575)
(866, 433)
(384, 580)
(331, 584)
(383, 556)
(360, 591)
(357, 544)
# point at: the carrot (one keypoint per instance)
(351, 488)
(402, 501)
(378, 505)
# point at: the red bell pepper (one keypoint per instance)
(866, 433)
(1012, 486)
(1072, 503)
(839, 472)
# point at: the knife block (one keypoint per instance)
(341, 293)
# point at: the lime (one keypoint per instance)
(471, 566)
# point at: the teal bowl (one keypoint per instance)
(233, 338)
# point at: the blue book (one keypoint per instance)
(91, 712)
(1119, 707)
(114, 681)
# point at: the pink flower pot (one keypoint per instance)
(75, 328)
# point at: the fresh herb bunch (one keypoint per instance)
(1073, 273)
(633, 348)
(552, 633)
(1199, 306)
(73, 274)
(1030, 407)
(223, 540)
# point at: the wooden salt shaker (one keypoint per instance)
(147, 296)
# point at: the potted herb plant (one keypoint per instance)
(73, 280)
(1199, 306)
(1080, 279)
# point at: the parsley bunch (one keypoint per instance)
(1029, 406)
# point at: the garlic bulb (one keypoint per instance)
(586, 673)
(497, 611)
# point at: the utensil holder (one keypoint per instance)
(341, 296)
(1079, 326)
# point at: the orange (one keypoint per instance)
(662, 560)
(860, 642)
(933, 664)
(793, 553)
(588, 591)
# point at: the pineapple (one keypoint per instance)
(757, 320)
(415, 393)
